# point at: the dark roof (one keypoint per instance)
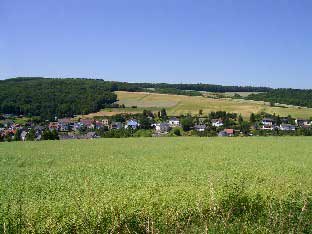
(267, 119)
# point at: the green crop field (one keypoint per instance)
(179, 104)
(157, 185)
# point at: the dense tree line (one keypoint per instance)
(202, 87)
(54, 97)
(296, 97)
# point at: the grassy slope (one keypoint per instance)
(178, 104)
(119, 184)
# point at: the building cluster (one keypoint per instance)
(284, 125)
(70, 128)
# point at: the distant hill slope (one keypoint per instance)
(49, 97)
(180, 104)
(295, 97)
(53, 97)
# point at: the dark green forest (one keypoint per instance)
(297, 97)
(54, 97)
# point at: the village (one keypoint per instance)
(153, 125)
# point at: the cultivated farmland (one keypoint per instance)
(157, 185)
(179, 104)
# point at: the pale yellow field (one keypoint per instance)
(179, 104)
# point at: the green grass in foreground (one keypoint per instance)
(157, 185)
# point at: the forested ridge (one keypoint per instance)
(297, 97)
(53, 97)
(49, 97)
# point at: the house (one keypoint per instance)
(39, 129)
(88, 123)
(303, 122)
(7, 123)
(77, 126)
(99, 125)
(116, 125)
(200, 127)
(162, 127)
(23, 135)
(105, 122)
(267, 127)
(229, 131)
(132, 123)
(64, 124)
(267, 122)
(174, 122)
(53, 126)
(217, 122)
(287, 127)
(226, 133)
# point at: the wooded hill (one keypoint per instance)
(49, 97)
(53, 97)
(297, 97)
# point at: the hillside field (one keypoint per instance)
(179, 104)
(157, 185)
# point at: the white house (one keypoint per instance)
(267, 122)
(217, 122)
(287, 127)
(174, 121)
(303, 122)
(267, 127)
(23, 135)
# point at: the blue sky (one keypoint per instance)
(234, 42)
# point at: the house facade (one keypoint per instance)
(132, 123)
(174, 122)
(162, 127)
(287, 127)
(217, 123)
(200, 127)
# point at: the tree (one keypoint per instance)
(54, 135)
(145, 122)
(187, 123)
(278, 120)
(163, 114)
(31, 135)
(240, 119)
(252, 118)
(46, 135)
(177, 132)
(17, 135)
(244, 127)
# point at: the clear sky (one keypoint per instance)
(234, 42)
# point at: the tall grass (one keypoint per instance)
(242, 185)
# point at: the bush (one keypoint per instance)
(177, 131)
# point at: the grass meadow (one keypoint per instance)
(157, 185)
(179, 104)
